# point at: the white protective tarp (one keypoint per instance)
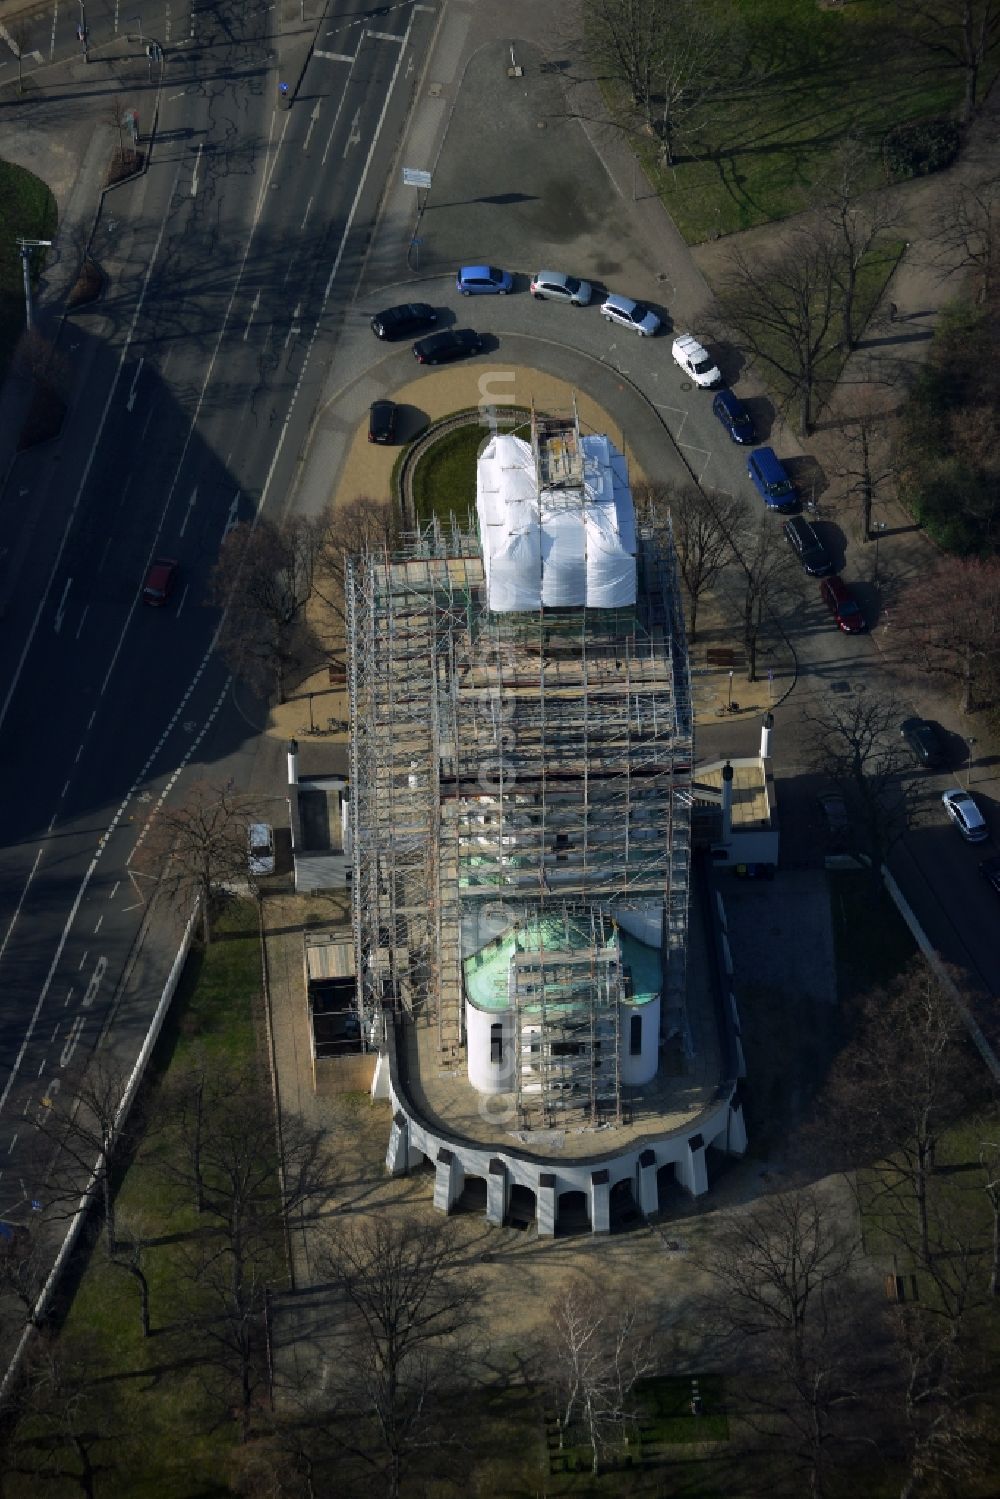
(561, 548)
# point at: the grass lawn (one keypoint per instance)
(28, 209)
(813, 76)
(445, 476)
(170, 1444)
(873, 942)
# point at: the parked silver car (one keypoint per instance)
(554, 286)
(629, 314)
(962, 809)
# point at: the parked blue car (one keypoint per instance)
(734, 416)
(767, 474)
(481, 280)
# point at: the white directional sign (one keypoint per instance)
(413, 178)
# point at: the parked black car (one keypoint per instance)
(808, 548)
(382, 421)
(924, 739)
(403, 321)
(453, 343)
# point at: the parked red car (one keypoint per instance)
(843, 605)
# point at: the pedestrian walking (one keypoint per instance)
(893, 312)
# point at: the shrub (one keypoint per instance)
(920, 147)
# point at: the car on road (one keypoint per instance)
(628, 314)
(696, 362)
(403, 321)
(847, 612)
(161, 580)
(382, 421)
(965, 814)
(554, 286)
(990, 870)
(837, 819)
(483, 280)
(260, 841)
(734, 416)
(809, 551)
(451, 343)
(13, 1236)
(767, 474)
(925, 741)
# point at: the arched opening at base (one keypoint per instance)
(670, 1195)
(572, 1213)
(622, 1207)
(521, 1207)
(473, 1198)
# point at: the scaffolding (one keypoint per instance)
(506, 765)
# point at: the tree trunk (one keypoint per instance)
(693, 625)
(136, 1270)
(206, 920)
(805, 407)
(994, 1197)
(920, 1193)
(109, 1208)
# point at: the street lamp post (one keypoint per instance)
(26, 246)
(877, 527)
(83, 31)
(729, 704)
(968, 763)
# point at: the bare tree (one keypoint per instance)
(768, 574)
(951, 624)
(865, 461)
(674, 58)
(63, 1415)
(362, 525)
(702, 527)
(85, 1127)
(196, 848)
(264, 579)
(226, 1154)
(782, 1272)
(966, 231)
(118, 116)
(409, 1299)
(24, 1265)
(903, 1079)
(989, 1160)
(596, 1356)
(857, 224)
(784, 310)
(857, 744)
(959, 36)
(130, 1247)
(941, 1440)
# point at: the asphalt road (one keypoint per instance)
(229, 265)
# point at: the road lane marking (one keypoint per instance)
(180, 606)
(197, 163)
(336, 117)
(64, 790)
(96, 979)
(55, 1032)
(187, 513)
(70, 1044)
(79, 752)
(42, 1066)
(69, 996)
(332, 56)
(384, 36)
(306, 214)
(233, 518)
(135, 381)
(10, 1147)
(253, 309)
(62, 605)
(79, 627)
(114, 889)
(145, 425)
(17, 908)
(354, 139)
(97, 928)
(313, 120)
